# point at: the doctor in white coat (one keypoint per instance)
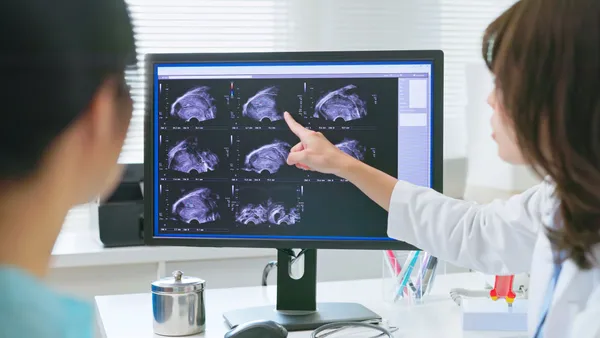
(545, 55)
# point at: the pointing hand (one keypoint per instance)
(314, 151)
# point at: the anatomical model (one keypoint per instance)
(503, 288)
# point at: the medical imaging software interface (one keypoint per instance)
(221, 145)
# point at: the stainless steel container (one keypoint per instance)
(178, 305)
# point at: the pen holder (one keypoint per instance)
(407, 275)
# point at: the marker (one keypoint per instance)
(427, 275)
(400, 276)
(393, 261)
(431, 277)
(421, 273)
(388, 263)
(407, 274)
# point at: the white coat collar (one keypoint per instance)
(573, 281)
(571, 276)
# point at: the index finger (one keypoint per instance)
(294, 126)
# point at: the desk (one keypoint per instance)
(130, 316)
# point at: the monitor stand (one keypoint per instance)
(297, 308)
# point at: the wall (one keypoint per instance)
(488, 176)
(88, 282)
(219, 273)
(333, 265)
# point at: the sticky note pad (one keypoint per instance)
(484, 314)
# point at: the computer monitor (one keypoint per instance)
(216, 147)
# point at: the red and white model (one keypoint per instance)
(503, 288)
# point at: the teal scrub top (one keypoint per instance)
(30, 309)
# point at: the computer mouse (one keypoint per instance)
(258, 329)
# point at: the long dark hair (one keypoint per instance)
(55, 57)
(545, 55)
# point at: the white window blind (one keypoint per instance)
(462, 26)
(455, 26)
(198, 26)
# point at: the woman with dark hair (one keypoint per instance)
(545, 55)
(65, 114)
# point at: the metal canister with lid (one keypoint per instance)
(178, 305)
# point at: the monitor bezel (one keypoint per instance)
(436, 57)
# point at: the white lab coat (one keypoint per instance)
(503, 237)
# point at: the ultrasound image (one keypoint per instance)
(353, 148)
(276, 205)
(362, 145)
(223, 147)
(200, 206)
(267, 212)
(341, 104)
(268, 158)
(195, 104)
(263, 106)
(188, 156)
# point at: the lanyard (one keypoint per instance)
(548, 298)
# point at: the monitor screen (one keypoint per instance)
(220, 145)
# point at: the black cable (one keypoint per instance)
(290, 252)
(273, 264)
(266, 271)
(336, 327)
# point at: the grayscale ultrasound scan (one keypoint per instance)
(263, 106)
(268, 212)
(222, 146)
(200, 205)
(353, 148)
(188, 156)
(268, 158)
(341, 104)
(195, 104)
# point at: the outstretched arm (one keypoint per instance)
(497, 238)
(374, 183)
(315, 152)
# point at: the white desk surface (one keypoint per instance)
(130, 316)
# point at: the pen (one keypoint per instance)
(400, 276)
(392, 264)
(391, 256)
(427, 275)
(406, 262)
(432, 275)
(389, 263)
(422, 271)
(409, 281)
(424, 265)
(411, 286)
(406, 276)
